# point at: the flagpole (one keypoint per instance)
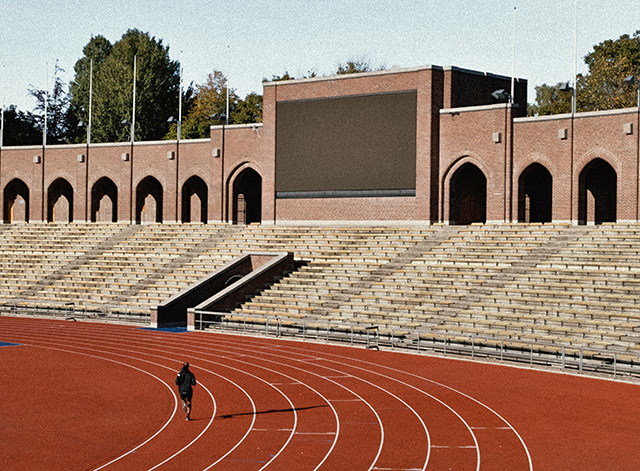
(513, 59)
(46, 103)
(90, 100)
(179, 134)
(227, 118)
(2, 111)
(575, 58)
(133, 112)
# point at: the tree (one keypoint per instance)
(208, 108)
(95, 52)
(157, 85)
(550, 100)
(20, 128)
(356, 66)
(57, 104)
(248, 110)
(603, 87)
(609, 64)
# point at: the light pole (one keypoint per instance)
(632, 80)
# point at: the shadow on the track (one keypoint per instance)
(271, 411)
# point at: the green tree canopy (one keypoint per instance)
(157, 85)
(20, 128)
(603, 87)
(609, 64)
(248, 110)
(356, 66)
(550, 100)
(208, 108)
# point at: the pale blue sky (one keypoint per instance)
(269, 37)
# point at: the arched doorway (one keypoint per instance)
(468, 196)
(149, 201)
(598, 192)
(535, 187)
(16, 202)
(247, 197)
(60, 201)
(194, 200)
(104, 201)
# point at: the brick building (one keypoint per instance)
(422, 145)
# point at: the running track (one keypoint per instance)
(98, 396)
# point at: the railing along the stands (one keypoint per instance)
(535, 354)
(70, 310)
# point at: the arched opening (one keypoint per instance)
(534, 194)
(149, 201)
(60, 201)
(468, 196)
(194, 200)
(597, 187)
(16, 202)
(104, 201)
(247, 197)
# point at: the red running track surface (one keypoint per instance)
(97, 396)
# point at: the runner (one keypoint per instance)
(185, 381)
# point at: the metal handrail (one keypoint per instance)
(536, 354)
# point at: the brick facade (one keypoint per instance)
(476, 160)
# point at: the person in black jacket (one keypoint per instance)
(185, 381)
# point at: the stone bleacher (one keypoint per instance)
(554, 284)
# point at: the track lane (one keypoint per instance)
(485, 411)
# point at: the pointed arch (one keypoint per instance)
(104, 201)
(597, 193)
(468, 195)
(16, 202)
(535, 187)
(195, 197)
(60, 201)
(246, 193)
(149, 193)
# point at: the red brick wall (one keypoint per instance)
(445, 140)
(597, 135)
(467, 136)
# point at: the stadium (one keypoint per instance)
(373, 227)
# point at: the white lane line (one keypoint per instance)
(94, 349)
(342, 374)
(92, 342)
(175, 399)
(432, 382)
(379, 422)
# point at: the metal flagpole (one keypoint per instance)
(575, 58)
(46, 103)
(513, 59)
(2, 111)
(227, 118)
(133, 113)
(179, 134)
(90, 100)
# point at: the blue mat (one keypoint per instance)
(165, 329)
(8, 344)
